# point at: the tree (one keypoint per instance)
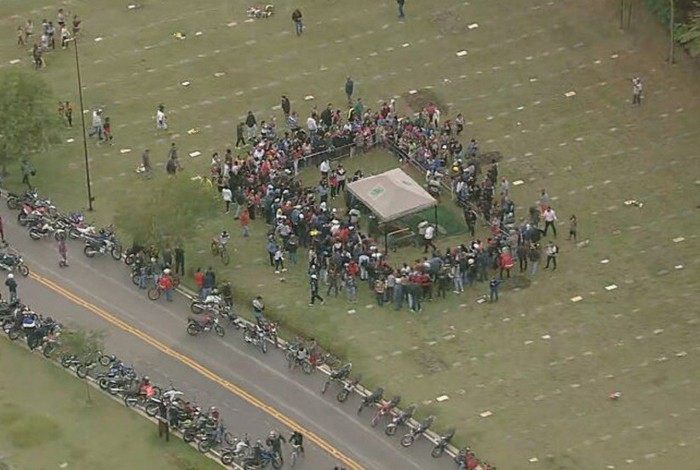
(29, 123)
(171, 209)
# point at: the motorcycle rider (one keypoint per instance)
(166, 284)
(274, 442)
(301, 355)
(12, 286)
(297, 440)
(145, 386)
(222, 239)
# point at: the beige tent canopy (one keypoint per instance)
(391, 195)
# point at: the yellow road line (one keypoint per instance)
(311, 436)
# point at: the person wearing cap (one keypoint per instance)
(313, 285)
(11, 286)
(166, 284)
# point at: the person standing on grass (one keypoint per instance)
(543, 201)
(313, 286)
(551, 251)
(96, 128)
(27, 171)
(286, 106)
(401, 3)
(68, 112)
(240, 135)
(379, 290)
(161, 118)
(251, 125)
(227, 196)
(278, 258)
(296, 19)
(523, 253)
(179, 260)
(146, 162)
(637, 91)
(107, 132)
(244, 219)
(494, 284)
(20, 36)
(550, 219)
(349, 88)
(573, 222)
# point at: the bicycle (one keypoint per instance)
(219, 249)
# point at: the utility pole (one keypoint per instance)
(82, 119)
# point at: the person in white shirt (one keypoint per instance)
(550, 217)
(161, 118)
(227, 196)
(325, 167)
(311, 125)
(96, 124)
(428, 237)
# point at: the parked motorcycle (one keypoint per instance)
(102, 244)
(442, 444)
(385, 410)
(237, 451)
(254, 334)
(45, 229)
(409, 438)
(400, 419)
(349, 386)
(371, 399)
(15, 201)
(13, 262)
(338, 376)
(195, 326)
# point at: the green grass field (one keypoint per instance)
(47, 422)
(541, 363)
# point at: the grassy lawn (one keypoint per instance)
(47, 422)
(541, 363)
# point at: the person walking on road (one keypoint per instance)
(401, 3)
(296, 441)
(11, 286)
(62, 252)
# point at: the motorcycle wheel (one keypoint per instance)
(48, 350)
(135, 279)
(103, 383)
(220, 330)
(188, 436)
(342, 395)
(157, 392)
(129, 259)
(89, 251)
(196, 307)
(154, 293)
(226, 458)
(23, 270)
(66, 360)
(204, 445)
(105, 360)
(22, 219)
(225, 258)
(116, 252)
(276, 462)
(58, 235)
(192, 329)
(407, 440)
(152, 409)
(437, 451)
(73, 233)
(82, 371)
(12, 203)
(13, 334)
(263, 346)
(130, 401)
(307, 367)
(390, 430)
(113, 390)
(34, 235)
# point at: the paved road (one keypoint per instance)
(254, 392)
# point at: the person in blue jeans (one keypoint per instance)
(401, 4)
(298, 25)
(493, 289)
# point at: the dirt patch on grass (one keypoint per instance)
(430, 363)
(422, 98)
(33, 431)
(448, 21)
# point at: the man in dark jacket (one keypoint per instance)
(12, 286)
(240, 139)
(286, 106)
(209, 282)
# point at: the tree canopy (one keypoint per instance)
(29, 123)
(170, 209)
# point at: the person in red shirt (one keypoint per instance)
(199, 281)
(505, 263)
(244, 218)
(352, 268)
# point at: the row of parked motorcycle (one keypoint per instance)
(43, 220)
(212, 313)
(205, 428)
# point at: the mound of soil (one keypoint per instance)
(421, 99)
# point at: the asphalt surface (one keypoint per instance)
(255, 392)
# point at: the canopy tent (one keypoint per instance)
(391, 195)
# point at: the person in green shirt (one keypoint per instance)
(27, 171)
(359, 108)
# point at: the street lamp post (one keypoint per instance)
(82, 119)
